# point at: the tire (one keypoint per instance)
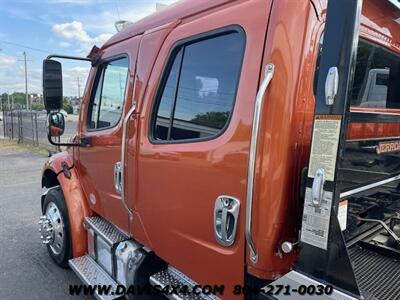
(55, 200)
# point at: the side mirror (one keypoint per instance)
(52, 85)
(56, 124)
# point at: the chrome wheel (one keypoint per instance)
(52, 229)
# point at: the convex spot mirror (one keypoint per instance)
(52, 85)
(56, 124)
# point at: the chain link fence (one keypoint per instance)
(29, 127)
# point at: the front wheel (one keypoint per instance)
(54, 227)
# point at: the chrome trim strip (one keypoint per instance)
(269, 73)
(374, 139)
(374, 112)
(369, 186)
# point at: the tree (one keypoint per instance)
(19, 98)
(4, 100)
(37, 106)
(215, 119)
(67, 106)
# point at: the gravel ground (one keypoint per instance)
(26, 270)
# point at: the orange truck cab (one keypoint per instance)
(189, 171)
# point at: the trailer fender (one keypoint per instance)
(59, 170)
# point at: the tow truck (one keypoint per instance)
(230, 144)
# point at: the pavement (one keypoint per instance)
(26, 269)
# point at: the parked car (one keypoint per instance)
(65, 114)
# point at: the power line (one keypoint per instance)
(24, 46)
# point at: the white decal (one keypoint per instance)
(315, 224)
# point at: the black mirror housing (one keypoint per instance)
(52, 85)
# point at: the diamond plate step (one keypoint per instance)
(106, 230)
(173, 277)
(92, 274)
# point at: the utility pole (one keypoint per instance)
(8, 101)
(78, 80)
(26, 84)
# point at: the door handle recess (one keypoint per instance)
(118, 177)
(226, 213)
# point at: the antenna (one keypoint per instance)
(116, 5)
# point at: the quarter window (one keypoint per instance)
(198, 95)
(376, 77)
(107, 103)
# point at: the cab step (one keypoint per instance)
(93, 274)
(172, 277)
(107, 231)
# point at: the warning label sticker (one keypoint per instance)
(325, 145)
(315, 224)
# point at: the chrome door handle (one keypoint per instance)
(317, 191)
(331, 85)
(226, 214)
(118, 177)
(269, 73)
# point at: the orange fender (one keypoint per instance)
(75, 200)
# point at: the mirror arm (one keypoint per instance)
(82, 144)
(68, 57)
(93, 59)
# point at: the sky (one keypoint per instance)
(70, 27)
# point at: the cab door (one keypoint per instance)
(102, 126)
(194, 136)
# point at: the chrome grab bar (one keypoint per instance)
(123, 146)
(269, 73)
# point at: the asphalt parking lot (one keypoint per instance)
(26, 270)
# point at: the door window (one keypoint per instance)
(107, 103)
(198, 96)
